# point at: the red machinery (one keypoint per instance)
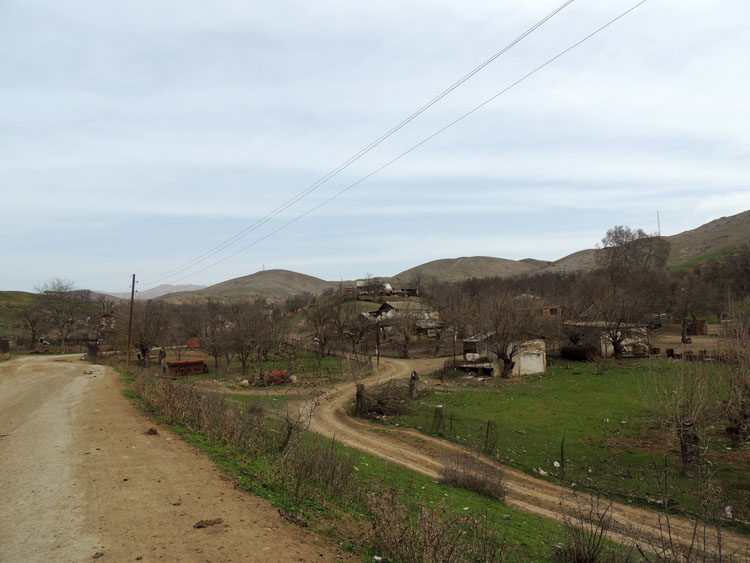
(186, 367)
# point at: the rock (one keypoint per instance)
(522, 432)
(207, 523)
(542, 473)
(244, 383)
(151, 431)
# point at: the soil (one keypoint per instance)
(83, 477)
(428, 456)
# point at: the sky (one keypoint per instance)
(140, 136)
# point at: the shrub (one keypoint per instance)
(434, 535)
(469, 473)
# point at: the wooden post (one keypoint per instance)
(130, 324)
(413, 386)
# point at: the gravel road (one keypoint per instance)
(80, 479)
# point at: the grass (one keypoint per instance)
(531, 538)
(11, 304)
(614, 440)
(304, 366)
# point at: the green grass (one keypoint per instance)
(11, 304)
(530, 537)
(304, 365)
(606, 420)
(689, 264)
(263, 400)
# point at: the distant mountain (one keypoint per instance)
(459, 269)
(274, 285)
(157, 291)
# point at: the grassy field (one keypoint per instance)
(304, 366)
(11, 304)
(615, 441)
(346, 517)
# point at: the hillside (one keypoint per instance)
(459, 269)
(711, 239)
(274, 285)
(581, 260)
(157, 291)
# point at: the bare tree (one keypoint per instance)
(218, 330)
(321, 325)
(247, 322)
(507, 321)
(150, 323)
(736, 375)
(64, 306)
(684, 399)
(34, 321)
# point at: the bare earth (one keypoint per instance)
(428, 455)
(80, 479)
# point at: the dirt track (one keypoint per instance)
(80, 477)
(427, 455)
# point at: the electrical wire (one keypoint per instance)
(422, 142)
(334, 172)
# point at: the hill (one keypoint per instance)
(459, 269)
(709, 240)
(274, 285)
(157, 291)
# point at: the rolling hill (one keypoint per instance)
(274, 285)
(712, 239)
(459, 269)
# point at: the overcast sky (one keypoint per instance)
(136, 136)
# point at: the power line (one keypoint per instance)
(315, 185)
(422, 142)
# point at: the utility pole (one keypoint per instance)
(130, 324)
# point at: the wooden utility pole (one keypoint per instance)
(130, 324)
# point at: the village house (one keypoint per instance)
(598, 335)
(530, 356)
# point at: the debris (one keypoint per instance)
(97, 555)
(556, 464)
(542, 472)
(522, 432)
(207, 523)
(293, 518)
(151, 431)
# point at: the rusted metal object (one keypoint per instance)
(187, 367)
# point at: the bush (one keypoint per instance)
(323, 465)
(469, 473)
(434, 535)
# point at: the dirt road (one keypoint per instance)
(80, 479)
(427, 455)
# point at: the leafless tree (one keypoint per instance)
(150, 323)
(321, 326)
(685, 399)
(507, 321)
(34, 321)
(64, 306)
(218, 332)
(736, 375)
